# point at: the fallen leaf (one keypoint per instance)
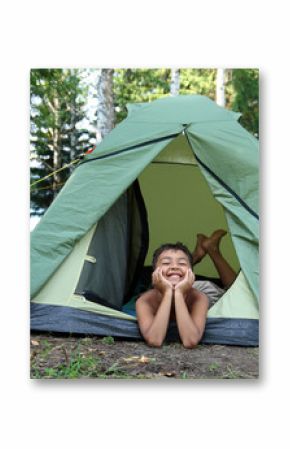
(134, 358)
(144, 359)
(34, 343)
(168, 373)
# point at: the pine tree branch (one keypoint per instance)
(38, 159)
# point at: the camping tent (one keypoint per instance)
(173, 167)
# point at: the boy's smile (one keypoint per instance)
(174, 265)
(174, 278)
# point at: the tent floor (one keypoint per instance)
(222, 331)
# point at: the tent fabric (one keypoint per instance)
(101, 276)
(121, 238)
(189, 130)
(65, 222)
(238, 301)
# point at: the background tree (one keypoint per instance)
(56, 109)
(139, 86)
(198, 81)
(106, 110)
(220, 87)
(89, 82)
(174, 84)
(241, 91)
(245, 98)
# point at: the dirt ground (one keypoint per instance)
(58, 356)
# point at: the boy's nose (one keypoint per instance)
(173, 265)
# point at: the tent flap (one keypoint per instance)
(88, 194)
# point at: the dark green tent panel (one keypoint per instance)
(174, 167)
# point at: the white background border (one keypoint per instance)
(140, 414)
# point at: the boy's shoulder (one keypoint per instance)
(197, 296)
(151, 296)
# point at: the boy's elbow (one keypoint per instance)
(190, 342)
(154, 341)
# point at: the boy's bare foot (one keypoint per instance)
(212, 243)
(199, 251)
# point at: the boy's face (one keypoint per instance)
(174, 265)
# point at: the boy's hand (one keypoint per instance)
(186, 284)
(159, 281)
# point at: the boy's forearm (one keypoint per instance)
(188, 331)
(155, 335)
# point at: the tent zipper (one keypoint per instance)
(232, 192)
(114, 153)
(228, 188)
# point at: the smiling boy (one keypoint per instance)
(172, 298)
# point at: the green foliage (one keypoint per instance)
(56, 108)
(245, 99)
(198, 81)
(108, 340)
(138, 86)
(145, 85)
(79, 366)
(213, 367)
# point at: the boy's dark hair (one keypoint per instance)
(174, 246)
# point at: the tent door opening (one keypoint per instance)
(180, 204)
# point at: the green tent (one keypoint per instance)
(174, 167)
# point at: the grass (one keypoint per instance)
(82, 366)
(213, 367)
(108, 340)
(78, 366)
(232, 374)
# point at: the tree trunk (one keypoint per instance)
(174, 84)
(90, 80)
(220, 87)
(56, 148)
(72, 136)
(106, 110)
